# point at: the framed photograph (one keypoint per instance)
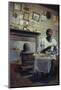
(25, 25)
(26, 16)
(17, 6)
(35, 16)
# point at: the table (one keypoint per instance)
(42, 62)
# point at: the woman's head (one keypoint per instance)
(49, 32)
(26, 47)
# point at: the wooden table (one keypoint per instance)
(42, 62)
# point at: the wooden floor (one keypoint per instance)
(17, 80)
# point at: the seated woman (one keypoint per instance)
(26, 48)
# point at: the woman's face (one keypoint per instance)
(49, 34)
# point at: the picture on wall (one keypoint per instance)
(26, 16)
(35, 16)
(17, 6)
(25, 25)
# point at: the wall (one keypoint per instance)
(19, 44)
(16, 46)
(32, 25)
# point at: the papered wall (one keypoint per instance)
(18, 42)
(16, 46)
